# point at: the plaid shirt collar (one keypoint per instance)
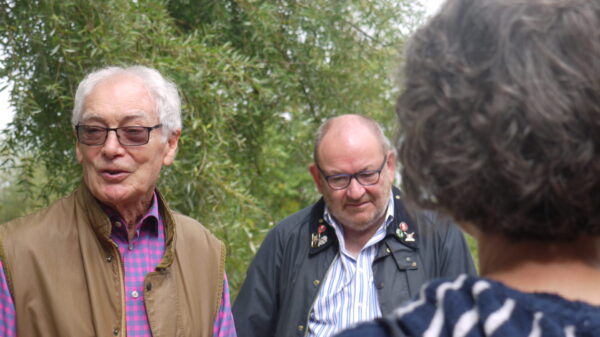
(148, 222)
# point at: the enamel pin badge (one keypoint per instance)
(318, 239)
(403, 234)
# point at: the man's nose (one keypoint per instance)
(355, 190)
(111, 145)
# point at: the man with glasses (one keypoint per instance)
(112, 259)
(355, 254)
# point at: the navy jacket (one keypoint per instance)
(284, 278)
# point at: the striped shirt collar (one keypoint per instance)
(379, 234)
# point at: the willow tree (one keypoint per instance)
(257, 78)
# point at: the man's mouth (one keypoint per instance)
(357, 204)
(114, 175)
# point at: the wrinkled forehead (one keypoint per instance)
(357, 141)
(119, 98)
(93, 116)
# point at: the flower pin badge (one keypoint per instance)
(402, 233)
(318, 239)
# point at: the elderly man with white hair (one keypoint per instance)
(112, 259)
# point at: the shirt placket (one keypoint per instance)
(139, 257)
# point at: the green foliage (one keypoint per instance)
(472, 243)
(257, 78)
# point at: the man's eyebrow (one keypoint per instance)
(93, 117)
(336, 173)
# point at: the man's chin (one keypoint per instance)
(360, 224)
(111, 195)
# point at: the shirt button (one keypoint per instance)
(130, 247)
(109, 258)
(118, 224)
(379, 285)
(135, 294)
(300, 327)
(316, 282)
(115, 331)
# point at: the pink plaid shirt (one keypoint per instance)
(140, 256)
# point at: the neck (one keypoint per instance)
(570, 269)
(355, 240)
(131, 213)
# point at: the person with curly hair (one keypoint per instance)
(500, 128)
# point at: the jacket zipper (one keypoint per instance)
(315, 299)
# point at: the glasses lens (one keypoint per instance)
(339, 181)
(133, 135)
(368, 178)
(91, 135)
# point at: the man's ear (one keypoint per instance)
(78, 154)
(391, 163)
(172, 147)
(314, 172)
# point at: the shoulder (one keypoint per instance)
(189, 228)
(189, 223)
(290, 237)
(295, 224)
(38, 222)
(423, 218)
(432, 226)
(434, 222)
(466, 302)
(436, 300)
(299, 218)
(469, 303)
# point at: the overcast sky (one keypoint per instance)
(431, 5)
(6, 113)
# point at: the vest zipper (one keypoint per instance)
(122, 280)
(315, 299)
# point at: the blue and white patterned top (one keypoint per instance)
(470, 307)
(348, 294)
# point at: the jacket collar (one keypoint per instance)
(321, 234)
(169, 221)
(402, 229)
(102, 226)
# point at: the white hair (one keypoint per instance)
(163, 91)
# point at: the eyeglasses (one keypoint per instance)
(365, 178)
(127, 135)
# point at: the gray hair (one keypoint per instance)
(163, 91)
(386, 145)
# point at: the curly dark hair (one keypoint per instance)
(500, 116)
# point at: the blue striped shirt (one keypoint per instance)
(348, 294)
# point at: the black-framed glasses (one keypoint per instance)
(365, 178)
(127, 135)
